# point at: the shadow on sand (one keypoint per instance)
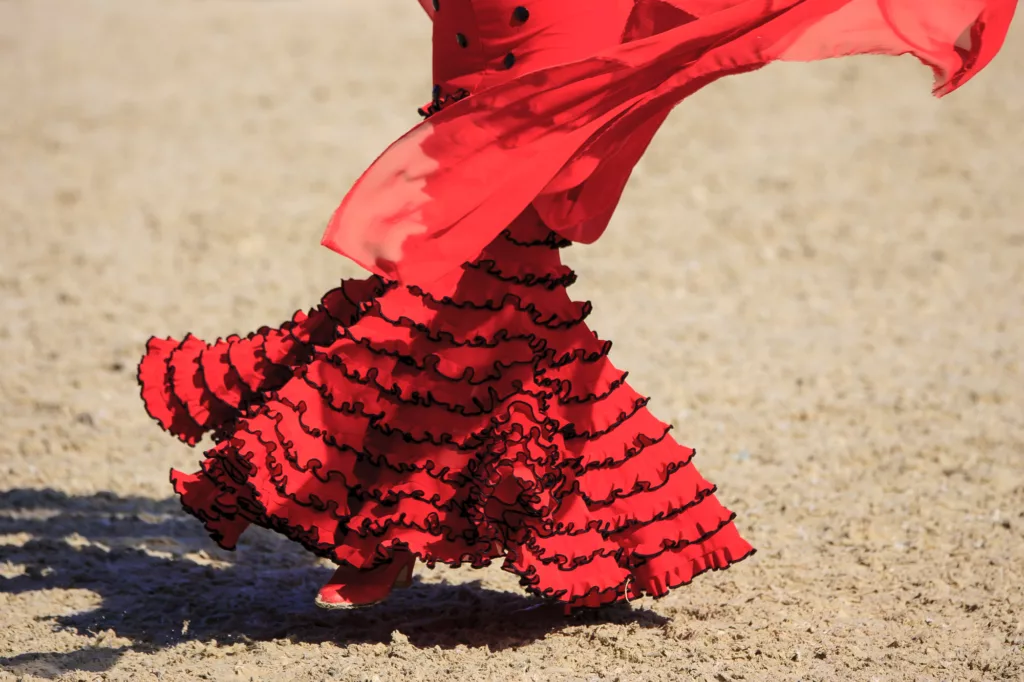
(162, 582)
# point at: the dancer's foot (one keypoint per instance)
(351, 588)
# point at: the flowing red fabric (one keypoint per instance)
(566, 137)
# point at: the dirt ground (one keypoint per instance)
(818, 273)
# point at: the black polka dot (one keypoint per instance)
(520, 14)
(510, 60)
(462, 40)
(437, 5)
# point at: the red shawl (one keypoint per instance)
(565, 138)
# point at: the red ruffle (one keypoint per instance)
(475, 421)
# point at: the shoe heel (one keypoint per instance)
(404, 577)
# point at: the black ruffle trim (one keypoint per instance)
(431, 362)
(551, 528)
(552, 240)
(479, 407)
(441, 101)
(537, 316)
(547, 281)
(638, 488)
(528, 579)
(309, 538)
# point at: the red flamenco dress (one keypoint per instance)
(454, 406)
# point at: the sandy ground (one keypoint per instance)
(818, 273)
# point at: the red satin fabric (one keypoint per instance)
(565, 135)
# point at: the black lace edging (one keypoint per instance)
(441, 336)
(495, 399)
(562, 389)
(431, 364)
(529, 579)
(427, 399)
(432, 360)
(279, 479)
(541, 346)
(379, 460)
(379, 287)
(540, 343)
(641, 559)
(550, 529)
(219, 411)
(553, 482)
(477, 440)
(360, 492)
(610, 462)
(206, 519)
(322, 335)
(638, 488)
(440, 102)
(231, 375)
(547, 425)
(569, 431)
(514, 301)
(669, 586)
(322, 473)
(561, 562)
(376, 421)
(557, 495)
(547, 281)
(544, 352)
(497, 369)
(581, 355)
(473, 467)
(305, 536)
(366, 528)
(552, 240)
(275, 374)
(364, 492)
(309, 538)
(473, 442)
(407, 437)
(703, 495)
(180, 424)
(183, 423)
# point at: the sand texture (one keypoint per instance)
(817, 273)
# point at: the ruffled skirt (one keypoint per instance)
(472, 420)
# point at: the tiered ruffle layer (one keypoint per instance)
(475, 419)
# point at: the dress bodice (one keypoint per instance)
(480, 43)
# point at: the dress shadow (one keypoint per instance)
(161, 582)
